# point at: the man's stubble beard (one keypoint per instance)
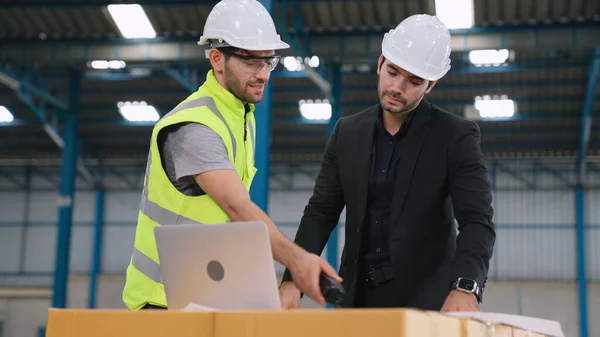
(237, 88)
(232, 85)
(408, 106)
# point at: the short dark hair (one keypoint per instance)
(226, 51)
(383, 61)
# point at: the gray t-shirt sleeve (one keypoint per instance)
(191, 149)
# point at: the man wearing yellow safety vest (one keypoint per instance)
(201, 159)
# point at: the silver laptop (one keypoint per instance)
(223, 266)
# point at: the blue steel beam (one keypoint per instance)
(550, 65)
(581, 258)
(588, 108)
(281, 121)
(326, 46)
(348, 88)
(67, 193)
(185, 76)
(304, 51)
(580, 206)
(29, 89)
(96, 262)
(337, 80)
(259, 192)
(26, 218)
(19, 81)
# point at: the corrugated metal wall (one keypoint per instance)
(534, 205)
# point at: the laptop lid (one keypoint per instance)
(226, 266)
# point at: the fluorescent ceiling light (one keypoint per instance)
(138, 112)
(496, 107)
(103, 64)
(488, 56)
(5, 115)
(292, 63)
(296, 63)
(132, 21)
(455, 14)
(315, 110)
(312, 62)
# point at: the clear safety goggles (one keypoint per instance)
(252, 64)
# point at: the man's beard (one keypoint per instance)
(408, 106)
(237, 89)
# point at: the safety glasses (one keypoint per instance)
(253, 64)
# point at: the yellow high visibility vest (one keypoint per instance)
(162, 204)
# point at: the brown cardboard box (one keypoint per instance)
(312, 323)
(478, 323)
(117, 323)
(333, 323)
(523, 333)
(475, 328)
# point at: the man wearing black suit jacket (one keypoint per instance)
(405, 170)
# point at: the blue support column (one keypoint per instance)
(26, 217)
(581, 272)
(97, 249)
(260, 186)
(586, 126)
(67, 193)
(332, 244)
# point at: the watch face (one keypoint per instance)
(466, 284)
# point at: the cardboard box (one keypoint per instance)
(500, 324)
(117, 323)
(297, 323)
(334, 323)
(475, 328)
(523, 333)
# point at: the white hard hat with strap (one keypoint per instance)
(244, 24)
(420, 44)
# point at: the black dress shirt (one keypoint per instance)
(387, 152)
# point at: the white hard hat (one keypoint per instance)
(244, 24)
(421, 45)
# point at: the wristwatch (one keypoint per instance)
(467, 285)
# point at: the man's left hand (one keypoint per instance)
(460, 301)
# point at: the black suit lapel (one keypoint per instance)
(364, 139)
(413, 141)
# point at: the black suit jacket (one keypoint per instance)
(441, 176)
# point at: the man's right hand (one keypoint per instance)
(289, 296)
(306, 272)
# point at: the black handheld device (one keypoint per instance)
(332, 290)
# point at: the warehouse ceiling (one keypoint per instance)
(550, 43)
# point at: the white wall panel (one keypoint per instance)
(535, 242)
(536, 233)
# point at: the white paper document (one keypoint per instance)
(197, 307)
(538, 325)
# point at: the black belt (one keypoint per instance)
(376, 277)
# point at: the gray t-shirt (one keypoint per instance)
(190, 149)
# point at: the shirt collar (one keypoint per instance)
(235, 106)
(406, 123)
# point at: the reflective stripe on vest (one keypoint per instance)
(161, 215)
(251, 127)
(146, 266)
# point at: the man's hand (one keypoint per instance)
(289, 296)
(460, 301)
(306, 271)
